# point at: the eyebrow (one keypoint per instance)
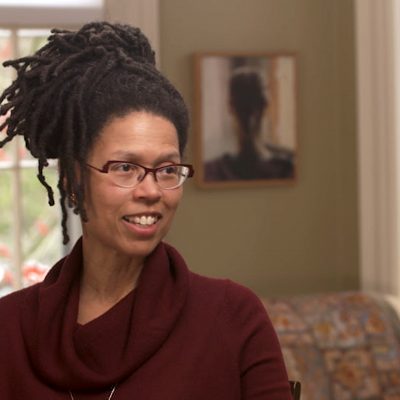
(134, 157)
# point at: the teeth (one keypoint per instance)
(143, 220)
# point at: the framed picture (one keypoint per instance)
(245, 119)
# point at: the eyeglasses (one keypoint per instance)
(129, 175)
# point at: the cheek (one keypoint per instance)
(103, 199)
(174, 198)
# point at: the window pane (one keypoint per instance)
(41, 236)
(6, 76)
(6, 152)
(6, 53)
(29, 40)
(6, 235)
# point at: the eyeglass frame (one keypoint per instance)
(105, 169)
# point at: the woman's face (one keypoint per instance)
(114, 213)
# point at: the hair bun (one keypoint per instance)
(98, 38)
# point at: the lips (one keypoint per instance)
(142, 219)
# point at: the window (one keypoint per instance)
(30, 234)
(30, 230)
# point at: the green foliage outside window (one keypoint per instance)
(39, 244)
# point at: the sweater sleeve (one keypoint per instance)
(255, 345)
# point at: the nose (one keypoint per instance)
(148, 189)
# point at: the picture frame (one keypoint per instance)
(245, 121)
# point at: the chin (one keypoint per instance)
(139, 249)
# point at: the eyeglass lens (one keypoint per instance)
(129, 175)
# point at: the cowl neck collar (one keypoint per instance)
(109, 349)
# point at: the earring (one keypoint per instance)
(72, 200)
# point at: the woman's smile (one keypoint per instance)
(142, 225)
(143, 220)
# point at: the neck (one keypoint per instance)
(106, 279)
(248, 150)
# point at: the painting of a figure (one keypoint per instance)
(245, 119)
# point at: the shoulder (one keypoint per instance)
(231, 290)
(234, 301)
(10, 303)
(237, 311)
(243, 308)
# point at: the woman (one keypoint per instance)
(121, 317)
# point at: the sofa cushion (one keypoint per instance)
(342, 346)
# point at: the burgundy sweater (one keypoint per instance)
(178, 336)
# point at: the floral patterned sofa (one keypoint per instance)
(340, 346)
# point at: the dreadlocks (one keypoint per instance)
(67, 91)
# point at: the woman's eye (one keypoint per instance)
(122, 167)
(169, 170)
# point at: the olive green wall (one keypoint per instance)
(276, 240)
